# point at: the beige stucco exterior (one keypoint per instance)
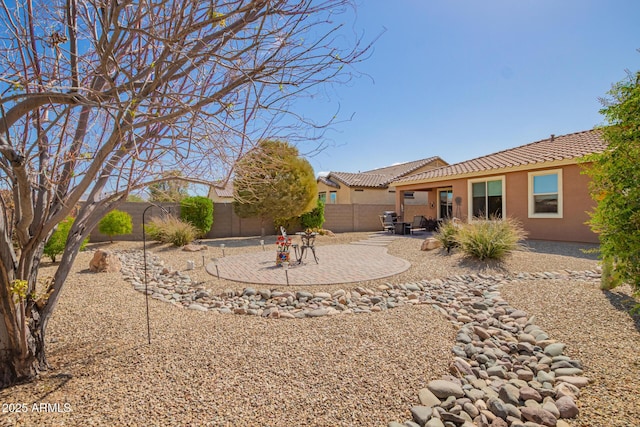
(575, 198)
(349, 195)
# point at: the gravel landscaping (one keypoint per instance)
(207, 368)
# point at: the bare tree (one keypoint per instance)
(100, 98)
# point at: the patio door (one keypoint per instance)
(445, 203)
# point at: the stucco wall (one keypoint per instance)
(576, 203)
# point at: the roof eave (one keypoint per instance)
(487, 172)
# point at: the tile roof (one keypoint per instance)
(555, 148)
(325, 180)
(380, 177)
(223, 189)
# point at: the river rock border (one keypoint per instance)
(506, 371)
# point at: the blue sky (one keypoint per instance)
(463, 78)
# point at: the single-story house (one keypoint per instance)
(221, 192)
(541, 184)
(372, 187)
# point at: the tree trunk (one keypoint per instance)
(22, 333)
(23, 364)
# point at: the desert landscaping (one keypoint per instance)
(365, 368)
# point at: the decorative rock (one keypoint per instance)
(430, 243)
(509, 394)
(427, 398)
(568, 372)
(197, 307)
(318, 312)
(498, 422)
(550, 406)
(567, 407)
(434, 422)
(421, 414)
(528, 393)
(566, 389)
(497, 407)
(539, 415)
(555, 349)
(497, 371)
(194, 248)
(494, 349)
(471, 409)
(444, 389)
(576, 381)
(104, 261)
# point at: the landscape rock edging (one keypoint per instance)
(506, 371)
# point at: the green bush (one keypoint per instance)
(490, 239)
(198, 211)
(115, 223)
(447, 235)
(169, 229)
(292, 224)
(315, 218)
(58, 239)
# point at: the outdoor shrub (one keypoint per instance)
(198, 211)
(58, 240)
(315, 218)
(115, 223)
(153, 230)
(447, 235)
(292, 224)
(490, 239)
(169, 229)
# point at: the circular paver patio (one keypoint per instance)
(336, 264)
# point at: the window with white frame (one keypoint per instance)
(545, 194)
(487, 198)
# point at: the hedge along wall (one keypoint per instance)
(338, 218)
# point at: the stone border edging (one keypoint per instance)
(506, 371)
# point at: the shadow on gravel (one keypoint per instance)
(623, 302)
(576, 250)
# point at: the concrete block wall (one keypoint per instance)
(338, 218)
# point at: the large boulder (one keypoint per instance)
(104, 261)
(430, 243)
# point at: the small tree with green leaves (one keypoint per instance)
(273, 181)
(58, 240)
(115, 223)
(615, 174)
(198, 211)
(314, 218)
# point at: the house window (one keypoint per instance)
(323, 196)
(545, 194)
(487, 199)
(333, 197)
(409, 195)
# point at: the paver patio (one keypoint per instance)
(336, 264)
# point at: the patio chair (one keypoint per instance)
(388, 224)
(419, 223)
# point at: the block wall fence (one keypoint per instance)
(338, 218)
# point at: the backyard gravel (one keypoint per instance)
(205, 368)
